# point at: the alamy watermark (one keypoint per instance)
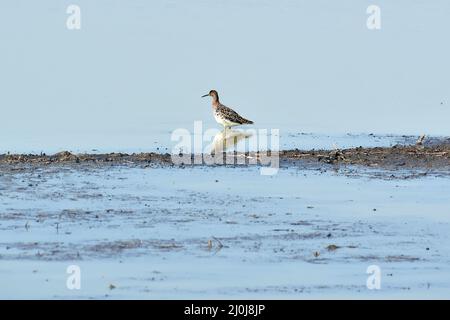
(73, 21)
(73, 281)
(374, 20)
(374, 280)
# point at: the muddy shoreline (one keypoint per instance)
(409, 157)
(140, 226)
(173, 232)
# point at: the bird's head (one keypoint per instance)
(213, 94)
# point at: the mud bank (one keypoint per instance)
(410, 157)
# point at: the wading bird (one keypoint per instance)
(224, 115)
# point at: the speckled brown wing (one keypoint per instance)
(231, 115)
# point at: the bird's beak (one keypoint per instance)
(205, 95)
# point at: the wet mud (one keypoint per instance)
(169, 231)
(435, 155)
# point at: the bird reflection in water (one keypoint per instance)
(226, 139)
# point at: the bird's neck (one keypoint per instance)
(215, 102)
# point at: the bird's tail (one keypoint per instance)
(245, 121)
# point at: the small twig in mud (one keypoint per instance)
(219, 242)
(27, 226)
(219, 245)
(332, 247)
(419, 141)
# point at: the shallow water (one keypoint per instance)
(147, 231)
(159, 139)
(134, 65)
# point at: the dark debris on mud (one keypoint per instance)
(68, 157)
(429, 156)
(408, 157)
